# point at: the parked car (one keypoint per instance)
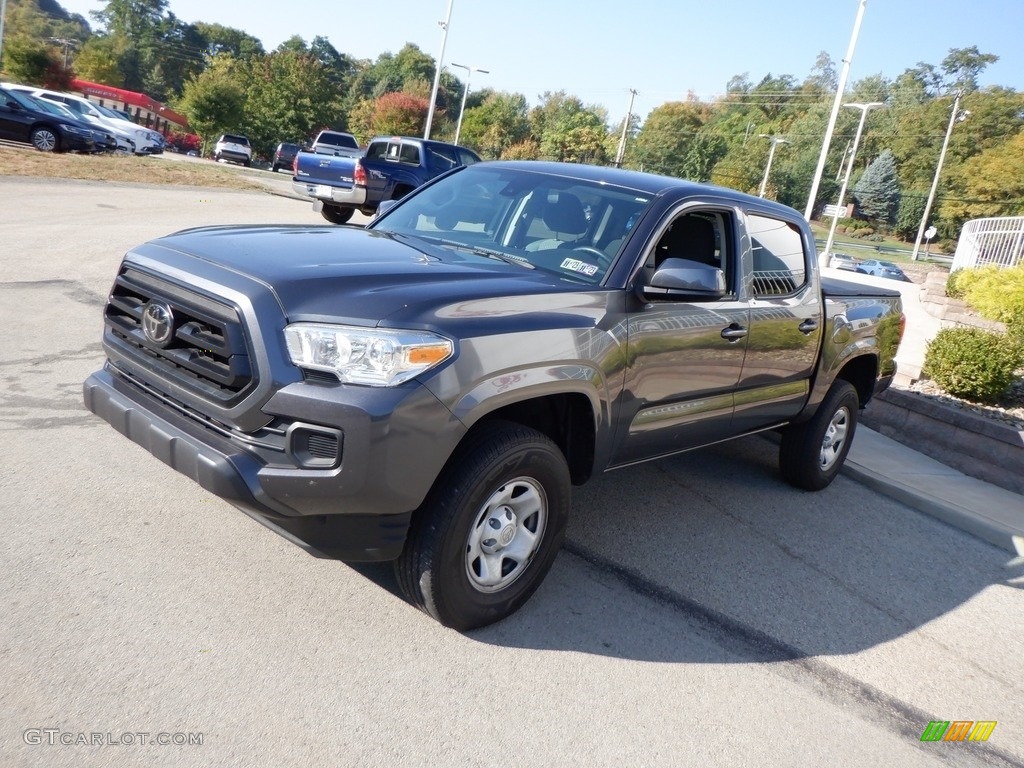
(842, 261)
(21, 119)
(284, 156)
(147, 141)
(233, 148)
(882, 269)
(129, 138)
(336, 143)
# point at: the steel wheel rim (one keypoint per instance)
(44, 141)
(506, 534)
(834, 439)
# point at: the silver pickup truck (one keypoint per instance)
(428, 389)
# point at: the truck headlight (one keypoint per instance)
(375, 356)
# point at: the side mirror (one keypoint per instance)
(683, 278)
(12, 104)
(384, 207)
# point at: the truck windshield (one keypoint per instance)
(573, 228)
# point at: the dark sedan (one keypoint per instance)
(284, 156)
(882, 269)
(22, 120)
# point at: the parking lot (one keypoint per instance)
(701, 613)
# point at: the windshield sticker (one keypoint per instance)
(573, 265)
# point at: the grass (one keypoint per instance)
(123, 168)
(888, 249)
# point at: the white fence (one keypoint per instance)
(990, 241)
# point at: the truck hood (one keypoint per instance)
(347, 274)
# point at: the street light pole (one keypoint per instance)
(465, 93)
(437, 73)
(864, 109)
(953, 117)
(771, 154)
(625, 127)
(835, 112)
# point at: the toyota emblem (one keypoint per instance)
(157, 323)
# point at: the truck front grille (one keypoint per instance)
(191, 340)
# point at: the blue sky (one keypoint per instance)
(599, 49)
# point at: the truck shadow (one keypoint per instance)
(710, 557)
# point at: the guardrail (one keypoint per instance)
(883, 250)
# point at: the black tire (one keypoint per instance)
(45, 139)
(274, 167)
(461, 563)
(812, 453)
(336, 215)
(247, 163)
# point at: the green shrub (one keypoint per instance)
(973, 363)
(863, 232)
(996, 293)
(954, 286)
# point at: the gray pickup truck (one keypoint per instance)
(428, 389)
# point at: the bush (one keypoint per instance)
(972, 363)
(864, 232)
(996, 293)
(954, 284)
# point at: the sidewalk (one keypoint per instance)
(986, 511)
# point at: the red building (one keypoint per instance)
(143, 109)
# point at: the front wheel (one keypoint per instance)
(490, 529)
(336, 215)
(812, 453)
(45, 140)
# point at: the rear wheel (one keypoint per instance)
(45, 139)
(812, 453)
(336, 215)
(274, 168)
(490, 529)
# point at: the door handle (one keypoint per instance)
(807, 326)
(734, 333)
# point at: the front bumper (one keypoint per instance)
(352, 196)
(291, 501)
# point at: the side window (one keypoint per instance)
(779, 264)
(701, 236)
(467, 158)
(376, 150)
(410, 154)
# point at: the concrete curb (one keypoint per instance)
(991, 513)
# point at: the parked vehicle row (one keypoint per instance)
(875, 267)
(129, 136)
(42, 124)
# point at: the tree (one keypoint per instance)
(665, 139)
(878, 191)
(131, 18)
(989, 184)
(98, 61)
(214, 101)
(908, 218)
(400, 114)
(501, 120)
(289, 96)
(27, 61)
(963, 65)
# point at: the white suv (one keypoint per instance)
(233, 148)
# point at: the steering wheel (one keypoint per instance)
(600, 255)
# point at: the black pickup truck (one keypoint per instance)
(428, 389)
(391, 167)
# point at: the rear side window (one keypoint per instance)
(778, 253)
(232, 139)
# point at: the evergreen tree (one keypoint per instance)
(878, 191)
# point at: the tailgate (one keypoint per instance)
(327, 170)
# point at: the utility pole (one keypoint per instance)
(437, 74)
(625, 128)
(776, 140)
(864, 109)
(835, 112)
(67, 43)
(954, 117)
(3, 15)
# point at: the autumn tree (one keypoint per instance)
(499, 122)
